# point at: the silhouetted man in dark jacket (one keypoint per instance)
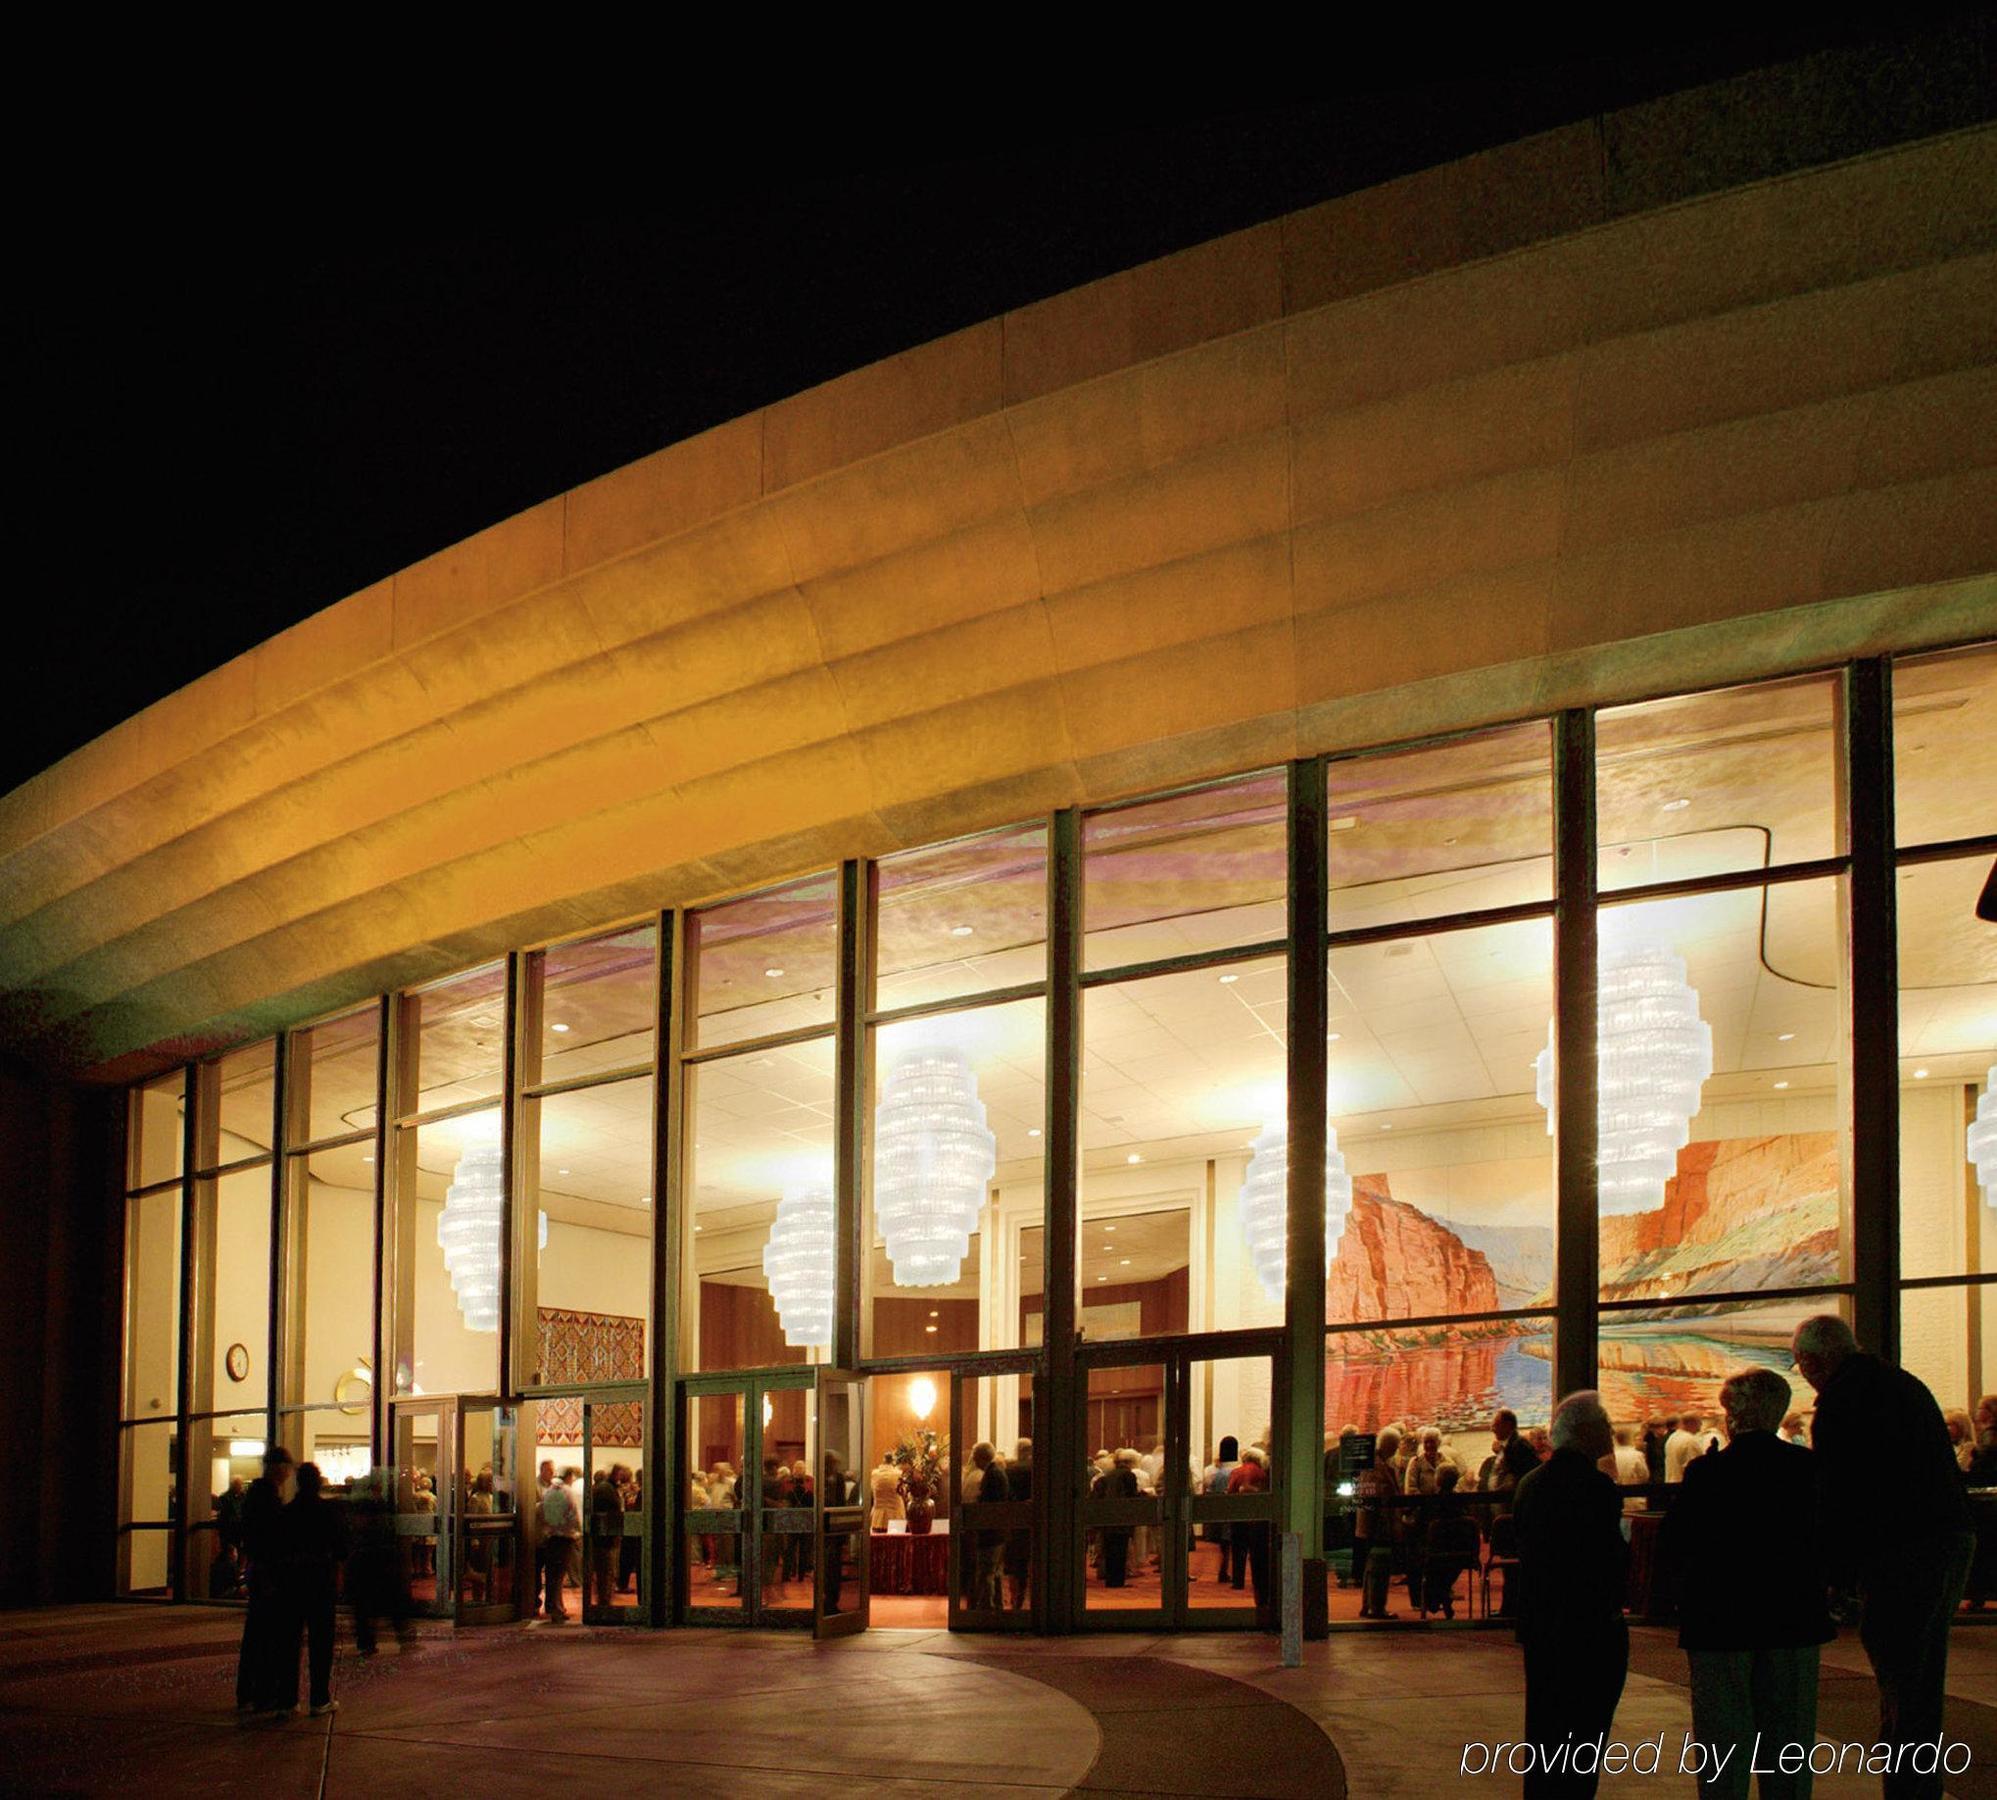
(262, 1685)
(1572, 1577)
(1744, 1546)
(1898, 1527)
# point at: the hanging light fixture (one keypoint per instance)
(1983, 1139)
(468, 1230)
(797, 1264)
(1265, 1204)
(933, 1160)
(1653, 1054)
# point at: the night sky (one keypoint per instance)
(259, 374)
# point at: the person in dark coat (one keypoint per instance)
(1572, 1578)
(376, 1586)
(1899, 1526)
(1019, 1542)
(313, 1539)
(1119, 1482)
(1743, 1547)
(261, 1684)
(1451, 1548)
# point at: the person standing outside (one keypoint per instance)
(261, 1685)
(561, 1532)
(1572, 1574)
(1743, 1545)
(1898, 1524)
(314, 1537)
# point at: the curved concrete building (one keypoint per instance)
(1464, 573)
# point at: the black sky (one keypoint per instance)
(258, 374)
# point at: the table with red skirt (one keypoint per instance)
(902, 1564)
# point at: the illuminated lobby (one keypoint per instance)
(912, 985)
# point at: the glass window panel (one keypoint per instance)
(245, 1099)
(764, 964)
(987, 1062)
(152, 1304)
(1948, 1068)
(334, 1437)
(1738, 779)
(762, 1128)
(147, 1493)
(145, 1563)
(1434, 1109)
(1665, 1361)
(329, 1279)
(1946, 1338)
(337, 1066)
(962, 918)
(454, 1340)
(1452, 1377)
(1180, 1073)
(232, 1290)
(592, 1157)
(224, 1456)
(1443, 829)
(1753, 1199)
(1191, 872)
(460, 1031)
(1945, 745)
(1231, 1403)
(157, 1134)
(599, 1002)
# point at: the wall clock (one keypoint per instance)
(237, 1361)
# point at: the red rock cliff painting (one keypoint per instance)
(1395, 1262)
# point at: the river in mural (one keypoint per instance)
(1648, 1367)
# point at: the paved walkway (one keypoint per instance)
(137, 1701)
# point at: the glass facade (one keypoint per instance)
(1000, 1130)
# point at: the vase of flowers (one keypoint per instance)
(922, 1456)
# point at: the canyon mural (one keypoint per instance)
(1742, 1215)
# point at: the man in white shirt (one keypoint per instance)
(1683, 1445)
(1627, 1466)
(561, 1532)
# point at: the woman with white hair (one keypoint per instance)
(1743, 1542)
(1572, 1576)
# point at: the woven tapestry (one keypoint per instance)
(589, 1347)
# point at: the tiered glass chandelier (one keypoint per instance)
(933, 1161)
(468, 1231)
(1653, 1055)
(1983, 1139)
(1265, 1200)
(797, 1263)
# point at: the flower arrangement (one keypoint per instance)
(922, 1456)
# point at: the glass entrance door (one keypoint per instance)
(747, 1513)
(613, 1472)
(423, 1437)
(995, 1577)
(1179, 1502)
(487, 1513)
(840, 1596)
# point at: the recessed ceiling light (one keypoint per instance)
(960, 931)
(558, 1028)
(1109, 1228)
(1785, 1037)
(700, 1228)
(1033, 1131)
(1133, 1157)
(1102, 1277)
(929, 1328)
(1332, 1037)
(1229, 980)
(561, 1171)
(936, 1312)
(1674, 806)
(644, 1199)
(367, 1159)
(1346, 823)
(1449, 840)
(1782, 1084)
(773, 973)
(1386, 1128)
(1920, 1074)
(1123, 1262)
